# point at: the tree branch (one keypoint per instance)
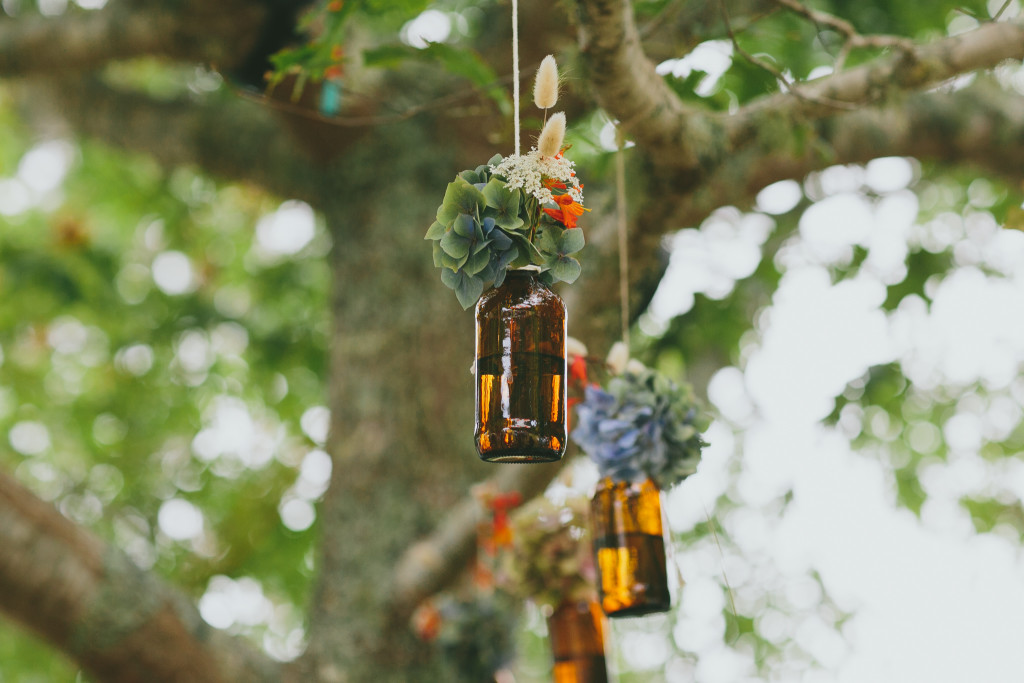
(982, 125)
(626, 85)
(692, 143)
(214, 32)
(911, 69)
(228, 138)
(113, 619)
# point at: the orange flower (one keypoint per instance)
(335, 5)
(337, 53)
(333, 73)
(552, 183)
(568, 212)
(578, 370)
(426, 621)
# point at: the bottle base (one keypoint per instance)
(638, 610)
(521, 458)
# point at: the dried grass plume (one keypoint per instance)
(545, 88)
(550, 141)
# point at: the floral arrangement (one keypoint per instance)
(513, 212)
(643, 425)
(551, 559)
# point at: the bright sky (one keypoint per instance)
(931, 599)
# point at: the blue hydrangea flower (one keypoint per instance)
(643, 426)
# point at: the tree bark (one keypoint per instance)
(119, 623)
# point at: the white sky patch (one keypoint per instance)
(780, 197)
(172, 273)
(889, 174)
(42, 168)
(136, 359)
(231, 430)
(296, 513)
(15, 197)
(66, 335)
(431, 26)
(228, 602)
(714, 57)
(52, 8)
(180, 519)
(315, 422)
(726, 248)
(29, 437)
(287, 230)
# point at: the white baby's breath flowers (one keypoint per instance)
(527, 170)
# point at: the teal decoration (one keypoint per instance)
(330, 98)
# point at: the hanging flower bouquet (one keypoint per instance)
(512, 212)
(643, 425)
(551, 561)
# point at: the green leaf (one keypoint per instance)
(477, 262)
(455, 245)
(571, 241)
(450, 278)
(503, 204)
(463, 225)
(468, 289)
(451, 262)
(435, 232)
(546, 241)
(566, 269)
(437, 255)
(459, 197)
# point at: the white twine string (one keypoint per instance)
(620, 202)
(515, 69)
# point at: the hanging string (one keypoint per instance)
(620, 202)
(515, 69)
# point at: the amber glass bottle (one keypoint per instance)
(630, 547)
(520, 372)
(577, 630)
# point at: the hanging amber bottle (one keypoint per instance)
(630, 547)
(520, 372)
(576, 630)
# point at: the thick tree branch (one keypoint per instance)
(982, 126)
(626, 85)
(228, 138)
(90, 601)
(216, 32)
(692, 143)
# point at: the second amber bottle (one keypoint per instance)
(520, 372)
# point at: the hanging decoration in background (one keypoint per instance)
(644, 434)
(550, 563)
(511, 224)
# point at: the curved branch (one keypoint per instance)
(981, 126)
(912, 69)
(433, 563)
(626, 84)
(217, 32)
(113, 619)
(694, 143)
